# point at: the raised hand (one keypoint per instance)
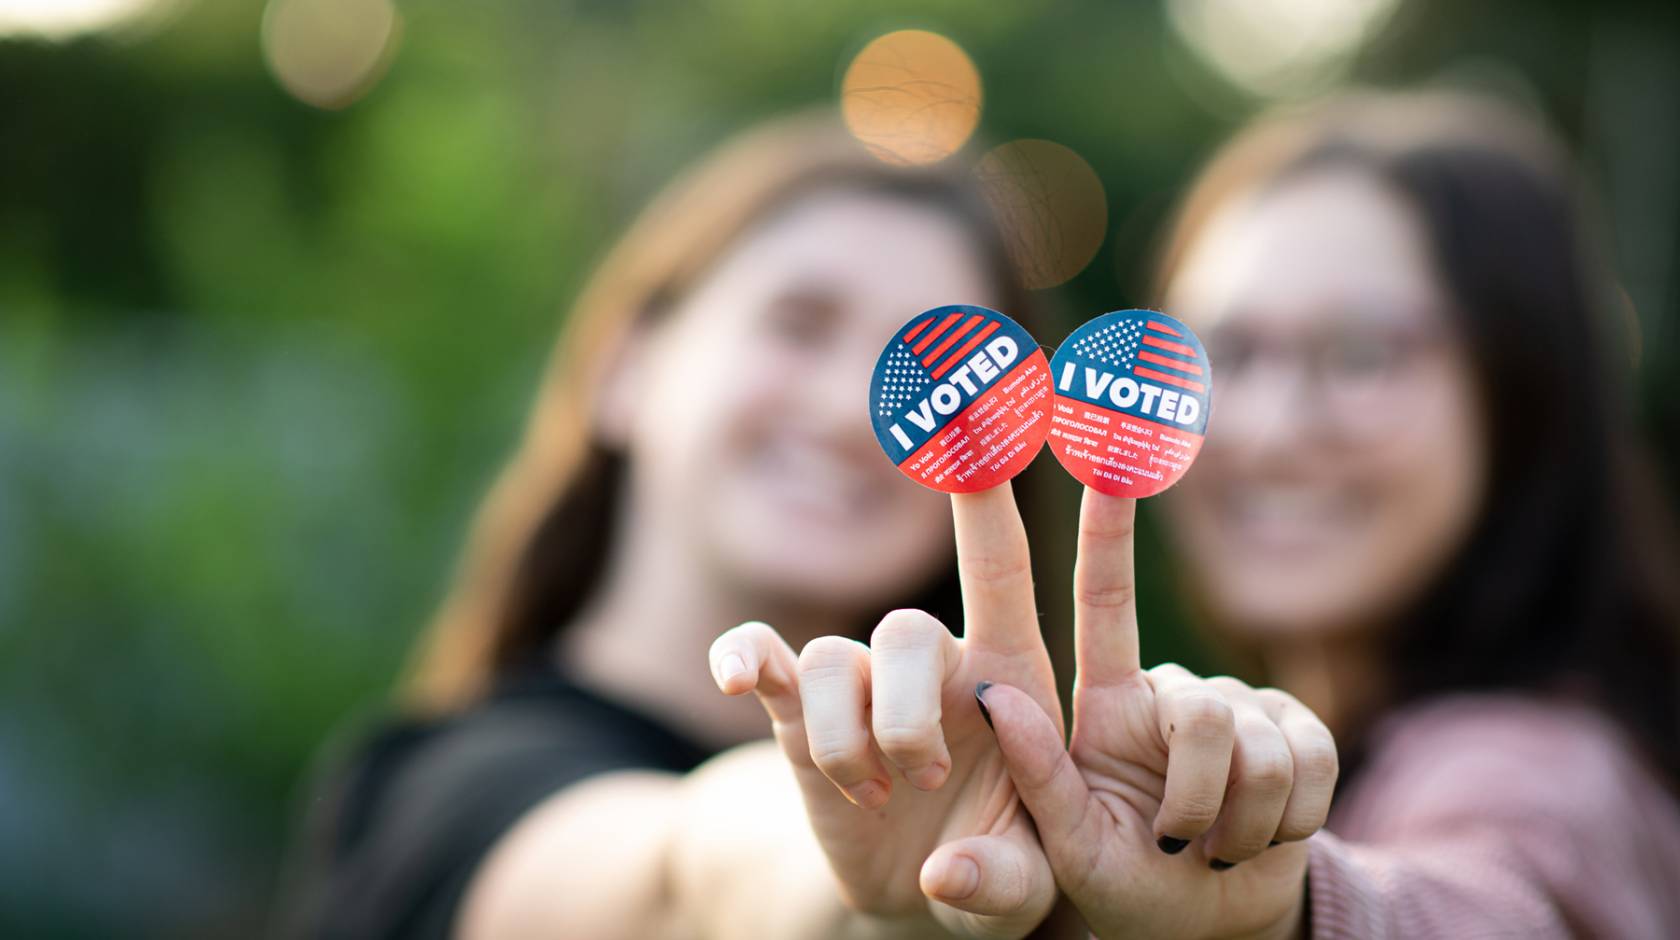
(1158, 814)
(929, 824)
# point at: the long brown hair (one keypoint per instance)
(538, 544)
(1567, 582)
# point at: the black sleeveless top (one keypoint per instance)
(395, 829)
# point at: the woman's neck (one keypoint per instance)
(644, 638)
(1340, 677)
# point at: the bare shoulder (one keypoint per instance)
(639, 855)
(579, 862)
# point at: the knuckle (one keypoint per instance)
(1303, 819)
(1113, 530)
(1192, 814)
(1229, 843)
(826, 653)
(1228, 685)
(1294, 827)
(1009, 563)
(746, 635)
(722, 646)
(1106, 597)
(1270, 771)
(841, 757)
(1318, 763)
(908, 739)
(1043, 778)
(1241, 851)
(1203, 715)
(906, 629)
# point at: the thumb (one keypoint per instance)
(1050, 786)
(991, 885)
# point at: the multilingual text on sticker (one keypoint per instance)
(1131, 402)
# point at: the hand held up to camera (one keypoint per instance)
(903, 782)
(1157, 818)
(935, 769)
(1178, 805)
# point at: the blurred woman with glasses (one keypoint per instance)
(1425, 510)
(1422, 514)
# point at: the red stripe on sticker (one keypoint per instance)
(1186, 367)
(965, 349)
(951, 339)
(927, 340)
(1143, 373)
(970, 472)
(1168, 345)
(1157, 325)
(917, 329)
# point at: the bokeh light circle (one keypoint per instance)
(1051, 206)
(328, 53)
(66, 19)
(912, 97)
(1278, 48)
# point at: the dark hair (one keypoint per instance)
(1567, 581)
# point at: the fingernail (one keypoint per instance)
(1170, 845)
(962, 878)
(979, 691)
(867, 795)
(1220, 864)
(732, 666)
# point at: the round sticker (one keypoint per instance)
(1131, 402)
(960, 400)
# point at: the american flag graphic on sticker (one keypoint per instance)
(1131, 402)
(960, 400)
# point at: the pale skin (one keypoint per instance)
(756, 490)
(725, 851)
(1153, 753)
(1329, 493)
(1348, 453)
(1306, 523)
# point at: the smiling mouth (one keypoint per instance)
(814, 480)
(1288, 516)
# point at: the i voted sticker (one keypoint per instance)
(1131, 403)
(960, 400)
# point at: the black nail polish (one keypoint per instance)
(1220, 864)
(985, 713)
(1170, 845)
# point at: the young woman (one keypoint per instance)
(1419, 509)
(699, 454)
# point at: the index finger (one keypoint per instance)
(1105, 626)
(995, 568)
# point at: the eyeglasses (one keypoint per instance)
(1357, 375)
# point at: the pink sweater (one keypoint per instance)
(1499, 816)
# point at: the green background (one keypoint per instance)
(259, 360)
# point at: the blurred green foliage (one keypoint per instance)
(258, 360)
